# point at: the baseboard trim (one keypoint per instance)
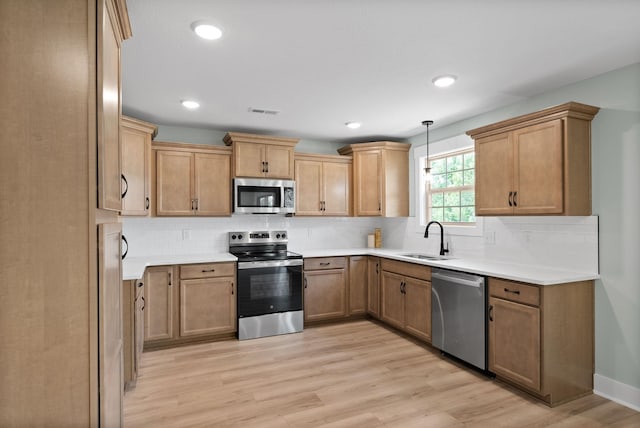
(617, 391)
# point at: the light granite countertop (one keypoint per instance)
(133, 268)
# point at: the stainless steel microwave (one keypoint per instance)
(264, 196)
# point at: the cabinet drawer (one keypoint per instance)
(514, 291)
(407, 269)
(207, 270)
(321, 263)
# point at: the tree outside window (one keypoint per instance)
(451, 192)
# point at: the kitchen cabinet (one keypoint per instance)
(261, 156)
(373, 286)
(325, 288)
(132, 329)
(406, 297)
(380, 178)
(541, 337)
(136, 138)
(200, 306)
(357, 285)
(538, 163)
(323, 185)
(192, 180)
(207, 299)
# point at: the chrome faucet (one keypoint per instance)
(443, 250)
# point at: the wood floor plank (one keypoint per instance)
(356, 374)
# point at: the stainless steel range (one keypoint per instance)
(269, 284)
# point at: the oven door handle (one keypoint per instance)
(269, 263)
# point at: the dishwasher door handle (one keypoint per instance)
(459, 281)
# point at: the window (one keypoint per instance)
(451, 193)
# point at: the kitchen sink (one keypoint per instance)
(425, 256)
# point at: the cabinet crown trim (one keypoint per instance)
(139, 125)
(323, 158)
(570, 109)
(236, 137)
(387, 145)
(193, 148)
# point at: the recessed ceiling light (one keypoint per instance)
(444, 81)
(206, 31)
(353, 125)
(190, 104)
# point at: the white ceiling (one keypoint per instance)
(322, 63)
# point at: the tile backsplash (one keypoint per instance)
(568, 243)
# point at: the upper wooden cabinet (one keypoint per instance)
(323, 185)
(136, 137)
(192, 180)
(539, 163)
(380, 178)
(261, 155)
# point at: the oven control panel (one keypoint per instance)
(258, 237)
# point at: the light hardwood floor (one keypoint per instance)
(357, 374)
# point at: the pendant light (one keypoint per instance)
(427, 170)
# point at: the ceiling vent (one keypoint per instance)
(263, 111)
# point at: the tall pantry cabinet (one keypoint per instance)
(60, 192)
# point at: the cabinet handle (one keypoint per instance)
(126, 185)
(490, 312)
(305, 282)
(170, 278)
(325, 264)
(404, 288)
(232, 289)
(208, 270)
(377, 272)
(515, 199)
(192, 202)
(510, 196)
(140, 284)
(197, 203)
(146, 203)
(506, 290)
(379, 206)
(144, 303)
(264, 166)
(124, 240)
(267, 166)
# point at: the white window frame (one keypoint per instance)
(440, 148)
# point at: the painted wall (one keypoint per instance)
(183, 134)
(616, 200)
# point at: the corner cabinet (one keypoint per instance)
(538, 163)
(192, 180)
(323, 185)
(406, 297)
(380, 178)
(136, 137)
(261, 156)
(541, 337)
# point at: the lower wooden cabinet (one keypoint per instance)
(541, 337)
(132, 329)
(325, 288)
(357, 285)
(373, 286)
(202, 304)
(405, 301)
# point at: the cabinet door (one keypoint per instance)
(336, 188)
(110, 324)
(418, 308)
(538, 152)
(279, 161)
(159, 296)
(109, 106)
(324, 294)
(129, 304)
(392, 299)
(249, 158)
(207, 306)
(514, 342)
(212, 184)
(136, 147)
(368, 191)
(174, 180)
(494, 175)
(373, 286)
(139, 324)
(357, 284)
(308, 187)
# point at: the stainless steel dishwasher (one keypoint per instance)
(458, 315)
